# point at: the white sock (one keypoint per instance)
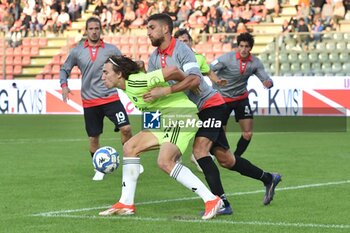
(184, 176)
(131, 172)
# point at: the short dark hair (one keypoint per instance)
(247, 37)
(164, 18)
(182, 31)
(93, 19)
(124, 65)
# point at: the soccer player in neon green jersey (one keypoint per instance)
(125, 74)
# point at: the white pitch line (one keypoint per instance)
(212, 221)
(61, 212)
(45, 140)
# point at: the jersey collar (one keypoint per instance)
(99, 44)
(170, 49)
(238, 57)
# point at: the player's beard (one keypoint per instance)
(157, 42)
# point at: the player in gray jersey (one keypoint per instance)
(249, 169)
(173, 52)
(98, 100)
(236, 68)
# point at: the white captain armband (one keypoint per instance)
(190, 65)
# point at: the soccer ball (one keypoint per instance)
(106, 159)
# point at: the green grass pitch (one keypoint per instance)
(46, 182)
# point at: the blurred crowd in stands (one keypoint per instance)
(39, 17)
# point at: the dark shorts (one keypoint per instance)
(241, 109)
(94, 116)
(215, 134)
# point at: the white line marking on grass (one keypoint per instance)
(45, 140)
(212, 221)
(194, 198)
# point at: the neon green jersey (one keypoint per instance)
(202, 62)
(138, 84)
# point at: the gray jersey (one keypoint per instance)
(92, 87)
(184, 58)
(228, 67)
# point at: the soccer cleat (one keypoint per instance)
(119, 209)
(270, 188)
(225, 210)
(98, 176)
(212, 208)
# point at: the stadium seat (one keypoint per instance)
(55, 69)
(142, 40)
(143, 49)
(338, 36)
(330, 46)
(43, 42)
(321, 46)
(306, 68)
(263, 57)
(316, 67)
(293, 57)
(34, 51)
(217, 48)
(17, 60)
(199, 48)
(346, 68)
(209, 57)
(226, 47)
(285, 67)
(208, 48)
(26, 42)
(272, 68)
(17, 69)
(326, 67)
(39, 76)
(124, 40)
(216, 39)
(333, 57)
(25, 60)
(344, 56)
(125, 50)
(341, 46)
(9, 51)
(9, 70)
(302, 57)
(34, 42)
(107, 39)
(313, 56)
(63, 59)
(47, 69)
(56, 60)
(18, 51)
(347, 36)
(272, 57)
(283, 57)
(295, 67)
(322, 56)
(9, 60)
(115, 40)
(336, 67)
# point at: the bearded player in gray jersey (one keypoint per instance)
(98, 100)
(210, 105)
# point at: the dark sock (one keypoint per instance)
(242, 145)
(92, 154)
(246, 168)
(224, 199)
(212, 175)
(266, 178)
